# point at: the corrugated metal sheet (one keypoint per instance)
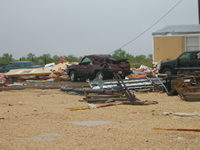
(178, 29)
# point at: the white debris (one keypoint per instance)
(183, 114)
(92, 106)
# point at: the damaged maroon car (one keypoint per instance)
(98, 66)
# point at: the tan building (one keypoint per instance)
(170, 41)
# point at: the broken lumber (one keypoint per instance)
(97, 106)
(104, 100)
(196, 130)
(146, 102)
(112, 104)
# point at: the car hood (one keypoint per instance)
(1, 68)
(169, 61)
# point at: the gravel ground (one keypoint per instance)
(39, 119)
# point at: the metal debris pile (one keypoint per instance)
(120, 94)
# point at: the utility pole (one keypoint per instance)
(199, 10)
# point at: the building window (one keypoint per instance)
(192, 43)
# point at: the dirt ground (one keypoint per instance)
(38, 119)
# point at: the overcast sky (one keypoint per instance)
(82, 27)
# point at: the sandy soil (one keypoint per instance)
(38, 119)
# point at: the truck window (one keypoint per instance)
(196, 56)
(185, 56)
(16, 65)
(29, 64)
(184, 60)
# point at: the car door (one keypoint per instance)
(83, 67)
(183, 62)
(195, 62)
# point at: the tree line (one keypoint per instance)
(135, 61)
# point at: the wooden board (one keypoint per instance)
(46, 71)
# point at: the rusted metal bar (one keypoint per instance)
(126, 91)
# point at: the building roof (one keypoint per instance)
(178, 29)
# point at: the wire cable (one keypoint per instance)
(149, 27)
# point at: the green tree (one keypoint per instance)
(46, 58)
(140, 58)
(56, 59)
(6, 58)
(80, 58)
(30, 57)
(130, 57)
(121, 54)
(150, 56)
(23, 58)
(72, 58)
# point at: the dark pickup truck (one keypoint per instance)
(98, 66)
(188, 61)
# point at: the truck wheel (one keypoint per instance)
(73, 77)
(123, 77)
(99, 75)
(82, 79)
(167, 71)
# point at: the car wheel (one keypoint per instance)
(99, 75)
(167, 71)
(73, 77)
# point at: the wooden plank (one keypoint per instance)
(179, 92)
(191, 93)
(28, 74)
(186, 88)
(196, 130)
(97, 106)
(104, 96)
(173, 89)
(194, 87)
(86, 97)
(192, 99)
(181, 97)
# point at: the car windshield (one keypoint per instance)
(9, 65)
(86, 60)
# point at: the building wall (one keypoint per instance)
(168, 48)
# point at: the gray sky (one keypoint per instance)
(82, 27)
